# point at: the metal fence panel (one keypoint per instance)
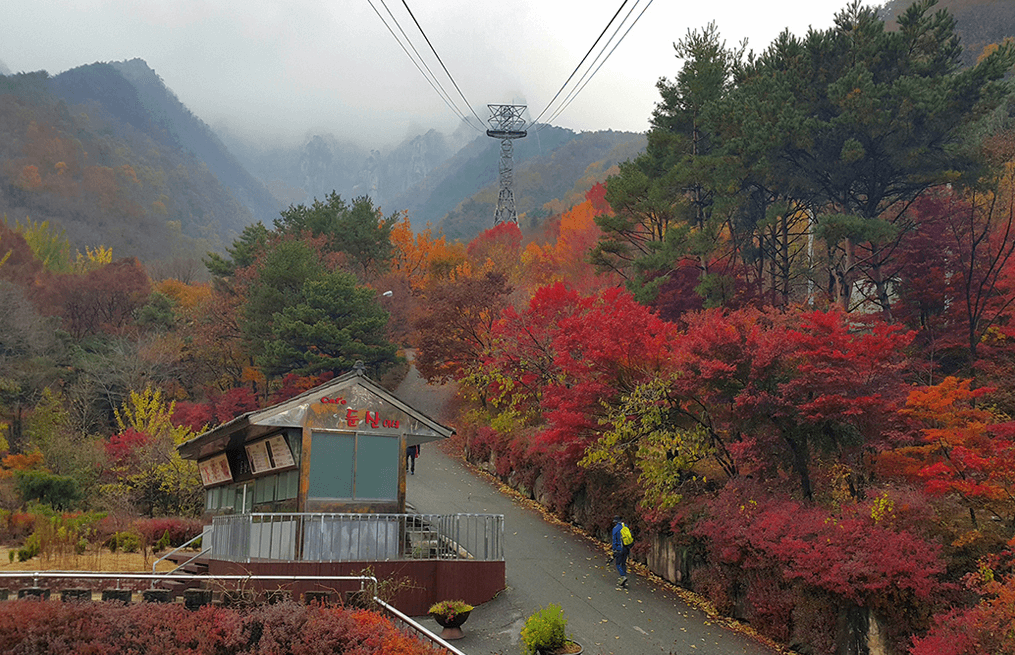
(357, 537)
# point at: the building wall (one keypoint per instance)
(411, 586)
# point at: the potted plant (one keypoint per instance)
(450, 615)
(544, 633)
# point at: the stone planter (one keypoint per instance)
(157, 596)
(275, 596)
(452, 626)
(569, 648)
(317, 598)
(34, 592)
(117, 596)
(76, 594)
(194, 599)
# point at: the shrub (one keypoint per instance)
(128, 542)
(109, 629)
(32, 547)
(544, 630)
(176, 530)
(779, 549)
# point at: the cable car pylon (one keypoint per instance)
(506, 124)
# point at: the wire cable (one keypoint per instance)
(574, 90)
(578, 89)
(446, 71)
(568, 80)
(433, 82)
(428, 75)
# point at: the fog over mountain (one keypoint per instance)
(277, 72)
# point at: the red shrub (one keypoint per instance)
(31, 627)
(849, 556)
(121, 448)
(193, 415)
(180, 530)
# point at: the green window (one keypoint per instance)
(331, 465)
(377, 463)
(354, 467)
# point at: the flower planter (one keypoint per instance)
(452, 625)
(569, 648)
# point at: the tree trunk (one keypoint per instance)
(801, 465)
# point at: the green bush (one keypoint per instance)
(31, 548)
(544, 630)
(127, 542)
(58, 491)
(163, 542)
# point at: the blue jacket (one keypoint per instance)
(618, 543)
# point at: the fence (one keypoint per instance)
(320, 537)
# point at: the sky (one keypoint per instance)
(284, 69)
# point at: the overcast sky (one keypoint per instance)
(285, 68)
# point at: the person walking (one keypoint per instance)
(622, 540)
(411, 453)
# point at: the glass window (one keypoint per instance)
(288, 485)
(331, 465)
(264, 489)
(377, 462)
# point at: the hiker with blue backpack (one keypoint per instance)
(622, 540)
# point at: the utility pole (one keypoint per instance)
(506, 124)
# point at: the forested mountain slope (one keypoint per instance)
(547, 166)
(133, 93)
(107, 153)
(437, 178)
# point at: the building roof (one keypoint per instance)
(315, 407)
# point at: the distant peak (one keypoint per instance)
(136, 70)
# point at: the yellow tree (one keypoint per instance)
(49, 245)
(145, 466)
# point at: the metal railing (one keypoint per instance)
(320, 537)
(415, 629)
(178, 549)
(396, 617)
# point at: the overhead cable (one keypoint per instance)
(420, 65)
(446, 71)
(578, 67)
(581, 86)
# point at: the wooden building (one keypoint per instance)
(339, 447)
(315, 486)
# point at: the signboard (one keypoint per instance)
(269, 454)
(280, 452)
(257, 453)
(361, 418)
(215, 470)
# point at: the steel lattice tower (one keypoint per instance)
(506, 124)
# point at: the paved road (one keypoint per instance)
(549, 563)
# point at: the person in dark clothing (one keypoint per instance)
(621, 534)
(411, 453)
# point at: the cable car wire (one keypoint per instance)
(581, 86)
(446, 71)
(568, 80)
(420, 65)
